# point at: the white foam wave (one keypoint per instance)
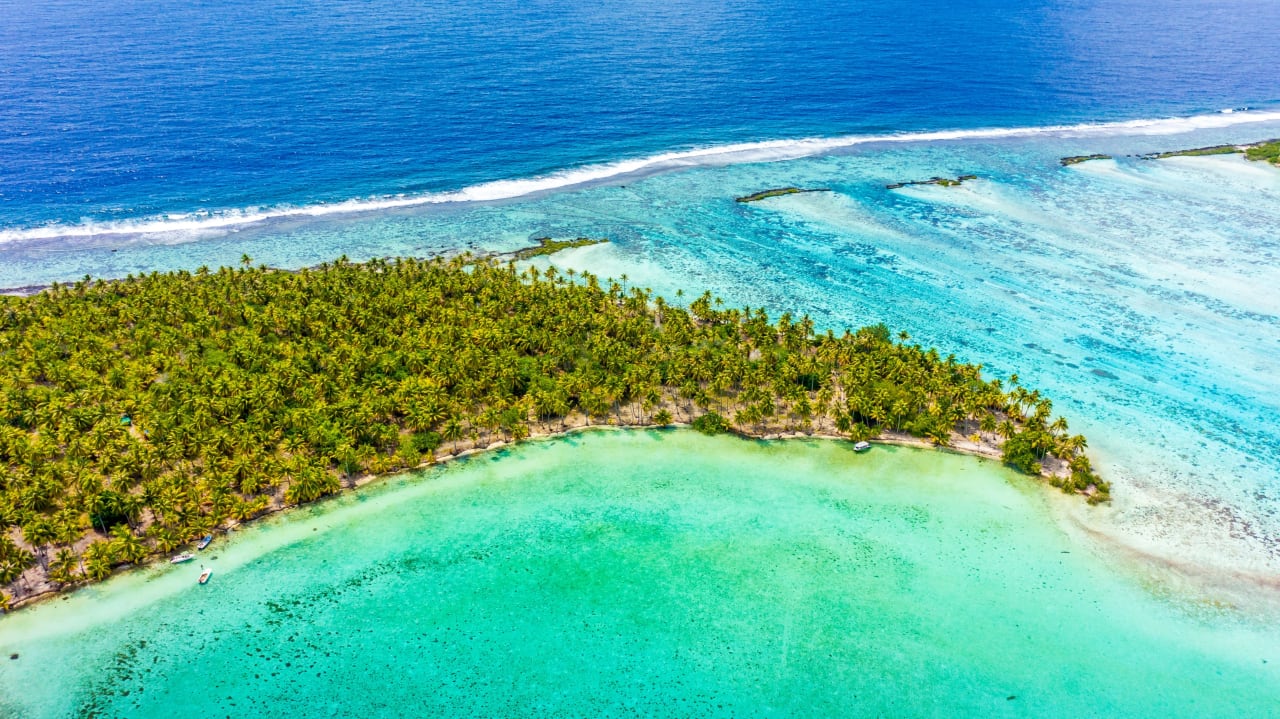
(203, 223)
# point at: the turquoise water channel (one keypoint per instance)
(648, 574)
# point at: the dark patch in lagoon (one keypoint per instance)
(1104, 373)
(1107, 349)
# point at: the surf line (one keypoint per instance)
(713, 156)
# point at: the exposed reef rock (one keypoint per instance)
(942, 181)
(1077, 159)
(1194, 152)
(765, 194)
(548, 246)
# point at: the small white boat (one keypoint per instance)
(184, 557)
(204, 576)
(862, 446)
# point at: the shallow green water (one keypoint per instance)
(647, 574)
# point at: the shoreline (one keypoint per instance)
(546, 246)
(1195, 586)
(574, 424)
(1190, 584)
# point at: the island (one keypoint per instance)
(139, 415)
(548, 246)
(1077, 159)
(779, 192)
(1268, 151)
(1265, 151)
(1194, 152)
(941, 181)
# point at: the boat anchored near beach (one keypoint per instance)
(861, 446)
(184, 557)
(204, 542)
(204, 576)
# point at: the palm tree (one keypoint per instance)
(1075, 444)
(452, 432)
(14, 560)
(125, 546)
(65, 568)
(97, 560)
(1006, 429)
(40, 533)
(987, 423)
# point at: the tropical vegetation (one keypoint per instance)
(1196, 152)
(1264, 151)
(548, 246)
(139, 414)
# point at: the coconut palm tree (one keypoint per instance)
(65, 567)
(97, 560)
(987, 423)
(125, 546)
(1006, 429)
(452, 432)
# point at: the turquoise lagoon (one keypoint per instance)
(644, 573)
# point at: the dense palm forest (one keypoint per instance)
(137, 415)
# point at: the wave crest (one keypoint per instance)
(192, 225)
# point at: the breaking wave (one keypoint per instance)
(193, 224)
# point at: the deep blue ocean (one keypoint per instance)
(131, 110)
